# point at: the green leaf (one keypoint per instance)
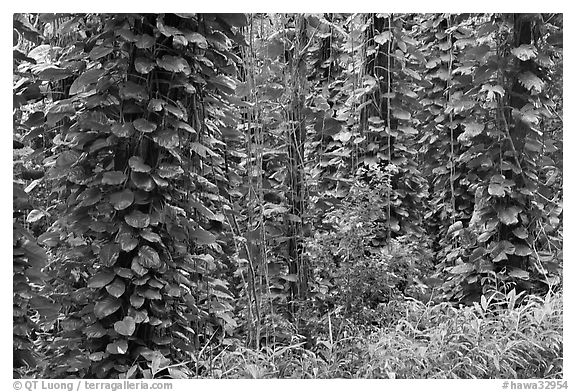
(113, 177)
(137, 267)
(95, 331)
(127, 242)
(125, 327)
(148, 257)
(136, 301)
(401, 114)
(501, 250)
(197, 39)
(106, 307)
(382, 38)
(137, 219)
(132, 90)
(471, 129)
(118, 347)
(176, 112)
(290, 277)
(116, 288)
(101, 279)
(89, 197)
(86, 80)
(54, 73)
(520, 232)
(144, 65)
(137, 164)
(151, 294)
(123, 130)
(525, 52)
(145, 41)
(100, 51)
(457, 226)
(98, 356)
(156, 105)
(509, 216)
(518, 273)
(67, 159)
(169, 171)
(144, 125)
(496, 189)
(109, 254)
(203, 237)
(35, 216)
(522, 250)
(174, 64)
(122, 200)
(142, 181)
(150, 236)
(491, 91)
(344, 136)
(461, 269)
(167, 138)
(531, 82)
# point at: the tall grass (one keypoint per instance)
(501, 337)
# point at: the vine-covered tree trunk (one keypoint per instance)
(296, 136)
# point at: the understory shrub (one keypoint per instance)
(501, 337)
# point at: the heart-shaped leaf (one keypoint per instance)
(152, 294)
(125, 327)
(122, 200)
(101, 279)
(95, 331)
(203, 237)
(136, 301)
(35, 215)
(137, 164)
(54, 73)
(169, 171)
(140, 316)
(509, 216)
(109, 254)
(522, 250)
(113, 177)
(150, 236)
(137, 219)
(148, 257)
(156, 105)
(463, 268)
(106, 307)
(137, 267)
(167, 138)
(127, 241)
(520, 232)
(174, 64)
(117, 347)
(123, 130)
(142, 181)
(144, 125)
(116, 288)
(518, 273)
(100, 51)
(143, 65)
(145, 41)
(496, 189)
(87, 79)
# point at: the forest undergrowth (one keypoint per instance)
(495, 339)
(332, 195)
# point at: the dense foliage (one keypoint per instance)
(287, 195)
